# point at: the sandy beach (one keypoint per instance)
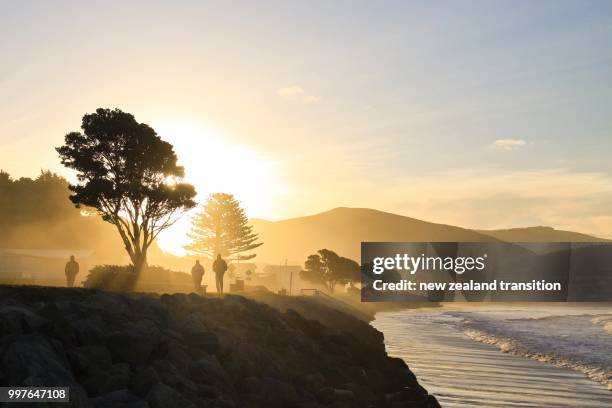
(461, 371)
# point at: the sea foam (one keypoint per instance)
(580, 342)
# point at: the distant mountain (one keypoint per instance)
(343, 229)
(540, 234)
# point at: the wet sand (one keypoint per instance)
(461, 372)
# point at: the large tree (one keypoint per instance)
(222, 227)
(129, 175)
(314, 270)
(328, 268)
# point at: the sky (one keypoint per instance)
(483, 114)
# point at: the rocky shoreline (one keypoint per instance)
(143, 350)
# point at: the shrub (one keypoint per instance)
(115, 278)
(119, 278)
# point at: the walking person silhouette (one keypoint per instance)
(197, 272)
(219, 266)
(71, 270)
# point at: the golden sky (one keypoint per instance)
(476, 114)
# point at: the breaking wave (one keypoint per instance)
(579, 342)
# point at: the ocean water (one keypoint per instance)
(500, 355)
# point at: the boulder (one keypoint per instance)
(269, 392)
(223, 402)
(34, 360)
(408, 396)
(33, 354)
(135, 344)
(30, 321)
(169, 375)
(209, 371)
(208, 391)
(89, 330)
(177, 302)
(107, 303)
(99, 382)
(119, 399)
(179, 357)
(162, 396)
(196, 333)
(143, 380)
(64, 331)
(89, 358)
(11, 323)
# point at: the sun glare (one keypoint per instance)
(214, 163)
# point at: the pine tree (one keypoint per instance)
(222, 228)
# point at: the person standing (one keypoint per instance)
(71, 270)
(219, 266)
(197, 272)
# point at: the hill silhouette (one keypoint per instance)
(540, 234)
(343, 229)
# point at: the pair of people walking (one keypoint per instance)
(219, 267)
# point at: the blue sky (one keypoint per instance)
(479, 113)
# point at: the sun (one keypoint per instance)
(214, 163)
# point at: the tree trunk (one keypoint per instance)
(139, 264)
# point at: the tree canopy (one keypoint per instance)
(35, 214)
(222, 227)
(328, 268)
(27, 200)
(129, 175)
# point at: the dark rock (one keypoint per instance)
(87, 358)
(432, 402)
(135, 344)
(223, 402)
(143, 380)
(49, 311)
(100, 382)
(29, 321)
(188, 350)
(177, 302)
(144, 306)
(344, 395)
(208, 391)
(33, 360)
(11, 323)
(309, 327)
(33, 355)
(107, 303)
(315, 381)
(119, 399)
(89, 331)
(209, 371)
(179, 358)
(248, 359)
(172, 377)
(162, 396)
(408, 396)
(197, 333)
(308, 404)
(272, 393)
(325, 395)
(64, 331)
